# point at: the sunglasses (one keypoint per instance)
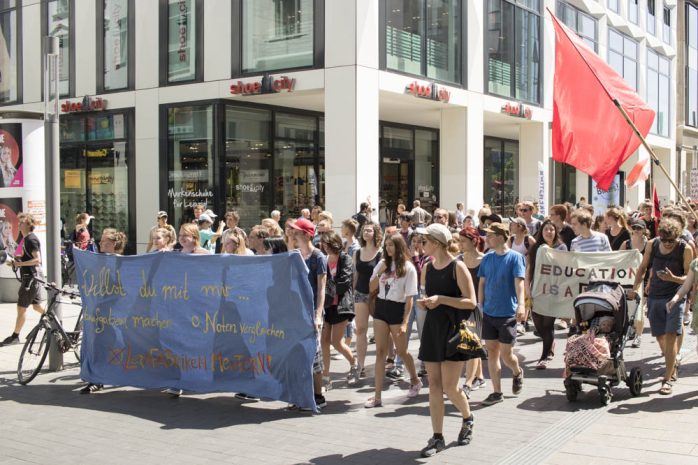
(667, 241)
(524, 209)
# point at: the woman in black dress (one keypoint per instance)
(448, 296)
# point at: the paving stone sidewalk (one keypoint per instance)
(50, 422)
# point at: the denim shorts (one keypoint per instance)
(360, 297)
(661, 321)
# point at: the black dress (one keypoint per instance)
(439, 321)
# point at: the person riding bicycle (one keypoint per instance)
(29, 264)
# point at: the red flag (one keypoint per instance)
(656, 212)
(641, 171)
(589, 132)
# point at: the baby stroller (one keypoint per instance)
(595, 356)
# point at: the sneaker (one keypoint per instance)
(353, 375)
(395, 374)
(542, 364)
(371, 340)
(466, 390)
(478, 383)
(173, 392)
(362, 373)
(414, 389)
(517, 382)
(560, 324)
(572, 331)
(636, 343)
(326, 383)
(91, 388)
(520, 329)
(10, 340)
(466, 432)
(422, 372)
(686, 319)
(434, 446)
(320, 401)
(494, 398)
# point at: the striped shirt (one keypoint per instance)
(597, 242)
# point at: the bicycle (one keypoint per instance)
(48, 329)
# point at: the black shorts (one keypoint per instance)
(30, 292)
(332, 317)
(502, 329)
(389, 311)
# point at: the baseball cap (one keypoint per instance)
(637, 223)
(498, 229)
(439, 233)
(205, 217)
(210, 214)
(305, 226)
(493, 218)
(519, 221)
(162, 214)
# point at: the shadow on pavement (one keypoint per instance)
(186, 412)
(372, 456)
(685, 401)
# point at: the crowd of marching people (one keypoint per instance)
(434, 269)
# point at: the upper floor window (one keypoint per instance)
(651, 18)
(59, 16)
(614, 5)
(10, 73)
(658, 88)
(513, 49)
(633, 8)
(666, 25)
(691, 115)
(278, 34)
(182, 41)
(583, 24)
(114, 57)
(622, 56)
(425, 38)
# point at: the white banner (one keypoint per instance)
(559, 277)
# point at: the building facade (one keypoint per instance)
(282, 104)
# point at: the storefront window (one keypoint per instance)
(658, 88)
(501, 175)
(565, 180)
(424, 38)
(583, 24)
(296, 174)
(116, 44)
(426, 150)
(513, 50)
(181, 45)
(190, 150)
(691, 65)
(277, 34)
(95, 156)
(9, 52)
(58, 25)
(248, 163)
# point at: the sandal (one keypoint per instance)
(91, 388)
(373, 402)
(666, 388)
(675, 374)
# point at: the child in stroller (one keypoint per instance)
(595, 355)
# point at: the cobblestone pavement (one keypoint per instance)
(50, 422)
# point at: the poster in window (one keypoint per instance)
(11, 155)
(9, 231)
(181, 40)
(613, 197)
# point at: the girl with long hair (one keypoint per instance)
(617, 227)
(396, 280)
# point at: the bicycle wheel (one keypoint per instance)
(76, 336)
(33, 353)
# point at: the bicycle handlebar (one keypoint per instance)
(53, 287)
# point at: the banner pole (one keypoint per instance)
(654, 156)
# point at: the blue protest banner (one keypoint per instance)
(200, 323)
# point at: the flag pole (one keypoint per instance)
(654, 156)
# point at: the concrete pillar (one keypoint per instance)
(534, 147)
(461, 156)
(351, 106)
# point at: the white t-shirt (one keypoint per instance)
(393, 288)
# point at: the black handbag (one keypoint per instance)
(465, 341)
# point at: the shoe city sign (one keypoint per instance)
(268, 85)
(86, 104)
(428, 91)
(517, 109)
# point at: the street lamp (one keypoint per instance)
(53, 214)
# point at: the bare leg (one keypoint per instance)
(494, 365)
(325, 347)
(338, 341)
(401, 348)
(436, 396)
(381, 331)
(361, 320)
(450, 373)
